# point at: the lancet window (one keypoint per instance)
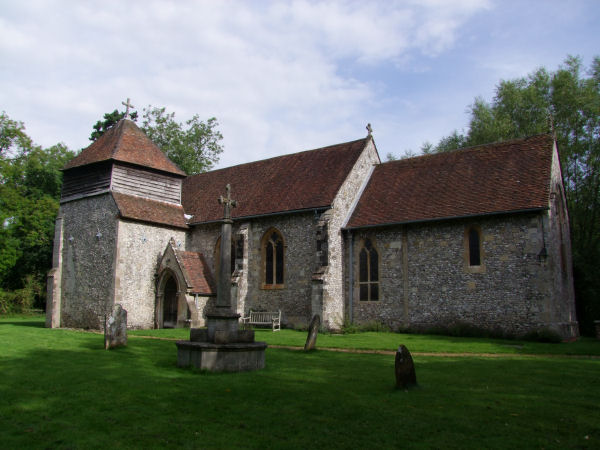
(474, 238)
(273, 252)
(368, 272)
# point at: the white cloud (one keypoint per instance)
(279, 76)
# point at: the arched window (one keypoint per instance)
(368, 272)
(273, 259)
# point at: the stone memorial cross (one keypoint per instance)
(228, 203)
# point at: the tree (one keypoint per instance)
(110, 119)
(194, 146)
(12, 137)
(30, 188)
(568, 103)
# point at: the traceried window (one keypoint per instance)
(273, 259)
(368, 272)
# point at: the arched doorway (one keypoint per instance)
(170, 304)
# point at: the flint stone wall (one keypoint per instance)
(88, 256)
(300, 246)
(299, 236)
(514, 292)
(140, 248)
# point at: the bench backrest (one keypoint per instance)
(262, 316)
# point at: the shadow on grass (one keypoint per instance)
(63, 390)
(24, 323)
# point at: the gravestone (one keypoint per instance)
(405, 369)
(115, 328)
(313, 330)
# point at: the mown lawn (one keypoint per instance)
(61, 389)
(414, 342)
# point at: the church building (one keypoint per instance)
(478, 236)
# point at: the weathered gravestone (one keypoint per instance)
(313, 330)
(115, 328)
(405, 369)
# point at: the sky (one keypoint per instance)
(279, 76)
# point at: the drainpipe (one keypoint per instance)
(351, 276)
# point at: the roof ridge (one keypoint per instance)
(113, 152)
(469, 149)
(278, 157)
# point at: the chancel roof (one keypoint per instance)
(489, 179)
(125, 142)
(300, 181)
(152, 211)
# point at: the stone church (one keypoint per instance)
(479, 235)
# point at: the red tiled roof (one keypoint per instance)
(287, 183)
(146, 210)
(494, 178)
(196, 272)
(127, 143)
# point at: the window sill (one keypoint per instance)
(475, 269)
(270, 287)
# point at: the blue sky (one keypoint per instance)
(280, 77)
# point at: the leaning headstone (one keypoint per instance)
(115, 328)
(405, 369)
(313, 330)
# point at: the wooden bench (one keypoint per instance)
(272, 319)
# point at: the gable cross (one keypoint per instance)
(369, 129)
(227, 202)
(127, 106)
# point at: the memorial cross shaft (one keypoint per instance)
(224, 286)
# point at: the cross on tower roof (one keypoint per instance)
(227, 202)
(127, 106)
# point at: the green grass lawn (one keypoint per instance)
(414, 342)
(61, 389)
